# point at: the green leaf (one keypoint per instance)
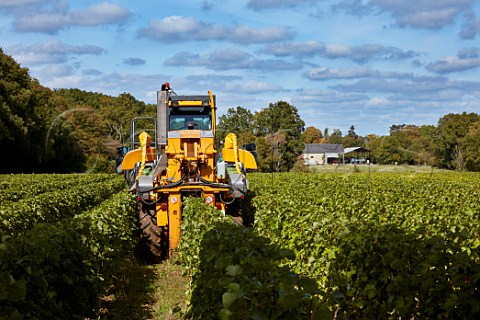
(228, 298)
(370, 291)
(399, 303)
(224, 314)
(233, 270)
(234, 287)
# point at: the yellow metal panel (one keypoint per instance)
(207, 146)
(174, 219)
(187, 103)
(134, 156)
(244, 156)
(162, 217)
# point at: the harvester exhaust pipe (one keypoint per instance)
(162, 116)
(162, 129)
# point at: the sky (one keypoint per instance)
(367, 63)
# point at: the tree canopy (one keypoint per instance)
(313, 135)
(451, 130)
(239, 121)
(59, 130)
(71, 130)
(28, 140)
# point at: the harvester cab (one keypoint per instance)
(181, 159)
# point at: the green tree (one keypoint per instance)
(451, 129)
(276, 143)
(352, 139)
(385, 150)
(312, 135)
(335, 137)
(427, 138)
(238, 121)
(470, 144)
(100, 122)
(269, 123)
(406, 144)
(27, 111)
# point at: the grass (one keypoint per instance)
(170, 291)
(371, 168)
(145, 292)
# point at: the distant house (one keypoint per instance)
(319, 153)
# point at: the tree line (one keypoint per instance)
(454, 143)
(65, 130)
(71, 130)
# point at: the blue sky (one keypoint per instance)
(367, 63)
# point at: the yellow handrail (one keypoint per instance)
(231, 143)
(145, 141)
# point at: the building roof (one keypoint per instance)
(323, 148)
(355, 149)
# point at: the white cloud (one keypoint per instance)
(51, 51)
(312, 96)
(424, 14)
(323, 73)
(276, 4)
(377, 101)
(180, 29)
(13, 4)
(466, 59)
(421, 14)
(58, 70)
(271, 50)
(471, 28)
(360, 54)
(252, 87)
(53, 21)
(328, 73)
(134, 61)
(227, 59)
(414, 88)
(99, 14)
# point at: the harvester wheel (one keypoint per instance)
(235, 210)
(153, 246)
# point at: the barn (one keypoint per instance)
(322, 153)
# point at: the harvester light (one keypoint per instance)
(163, 206)
(174, 199)
(208, 199)
(166, 86)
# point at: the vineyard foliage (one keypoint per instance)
(17, 187)
(322, 246)
(56, 199)
(383, 245)
(59, 269)
(236, 274)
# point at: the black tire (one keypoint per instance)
(153, 244)
(235, 210)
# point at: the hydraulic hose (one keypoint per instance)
(227, 202)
